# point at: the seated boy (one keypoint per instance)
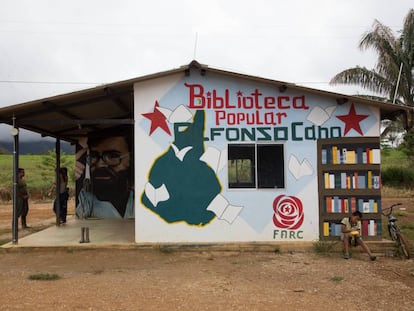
(351, 229)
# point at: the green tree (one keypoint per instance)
(48, 164)
(394, 53)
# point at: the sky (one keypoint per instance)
(51, 47)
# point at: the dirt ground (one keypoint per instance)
(156, 279)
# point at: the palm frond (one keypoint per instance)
(383, 42)
(368, 79)
(392, 51)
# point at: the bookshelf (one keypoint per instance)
(349, 180)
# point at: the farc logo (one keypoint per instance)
(288, 212)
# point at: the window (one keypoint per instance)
(250, 162)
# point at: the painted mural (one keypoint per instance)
(220, 159)
(104, 175)
(181, 186)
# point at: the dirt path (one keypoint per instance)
(156, 279)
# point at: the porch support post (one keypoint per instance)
(15, 223)
(57, 179)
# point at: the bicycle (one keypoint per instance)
(395, 232)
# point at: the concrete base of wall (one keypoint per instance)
(378, 248)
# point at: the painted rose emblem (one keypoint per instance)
(288, 212)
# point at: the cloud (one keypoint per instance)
(69, 43)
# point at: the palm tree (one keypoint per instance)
(395, 54)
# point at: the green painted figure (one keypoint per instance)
(181, 186)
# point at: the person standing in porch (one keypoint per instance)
(63, 195)
(22, 203)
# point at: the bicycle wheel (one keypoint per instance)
(403, 245)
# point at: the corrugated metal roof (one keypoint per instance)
(69, 116)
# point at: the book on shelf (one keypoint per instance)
(369, 179)
(328, 204)
(331, 181)
(365, 207)
(334, 155)
(324, 156)
(364, 228)
(346, 206)
(350, 157)
(376, 182)
(336, 229)
(344, 183)
(325, 228)
(372, 229)
(376, 156)
(362, 181)
(353, 204)
(360, 155)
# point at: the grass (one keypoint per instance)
(31, 165)
(323, 247)
(44, 277)
(38, 174)
(393, 158)
(4, 241)
(165, 249)
(337, 279)
(392, 192)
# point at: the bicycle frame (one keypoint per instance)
(395, 232)
(393, 228)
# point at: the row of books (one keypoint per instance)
(352, 180)
(338, 155)
(336, 204)
(368, 228)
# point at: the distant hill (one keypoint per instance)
(35, 147)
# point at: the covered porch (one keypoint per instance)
(102, 232)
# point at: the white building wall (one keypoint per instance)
(163, 201)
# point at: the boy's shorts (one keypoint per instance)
(353, 240)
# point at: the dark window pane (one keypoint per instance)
(270, 166)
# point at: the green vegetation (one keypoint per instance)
(324, 247)
(240, 171)
(44, 277)
(40, 172)
(396, 169)
(165, 249)
(337, 279)
(393, 158)
(408, 232)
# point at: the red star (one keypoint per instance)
(352, 120)
(158, 120)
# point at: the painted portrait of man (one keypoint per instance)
(104, 174)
